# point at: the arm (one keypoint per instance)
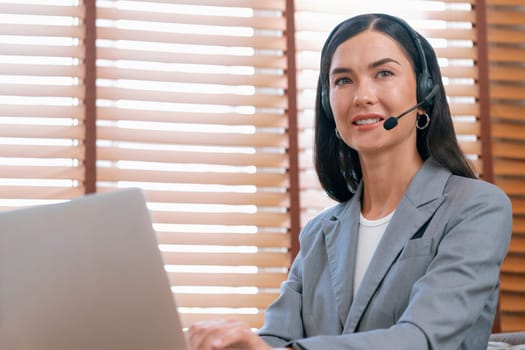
(283, 317)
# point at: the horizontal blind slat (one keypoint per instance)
(43, 51)
(259, 300)
(76, 112)
(196, 238)
(512, 187)
(193, 138)
(507, 111)
(505, 54)
(508, 131)
(40, 91)
(258, 80)
(507, 92)
(514, 263)
(41, 151)
(40, 192)
(256, 42)
(506, 36)
(189, 177)
(268, 101)
(508, 149)
(512, 321)
(259, 198)
(252, 321)
(43, 131)
(257, 159)
(505, 2)
(261, 219)
(231, 259)
(259, 280)
(252, 4)
(37, 30)
(258, 119)
(517, 245)
(258, 22)
(512, 282)
(509, 168)
(42, 70)
(41, 10)
(513, 302)
(259, 61)
(41, 172)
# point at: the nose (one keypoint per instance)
(364, 93)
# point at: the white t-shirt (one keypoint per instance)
(369, 235)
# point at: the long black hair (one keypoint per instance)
(337, 165)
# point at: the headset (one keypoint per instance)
(425, 84)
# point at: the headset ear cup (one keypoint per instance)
(424, 89)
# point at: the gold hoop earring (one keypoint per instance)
(425, 124)
(337, 134)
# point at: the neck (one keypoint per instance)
(385, 180)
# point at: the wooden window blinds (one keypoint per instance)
(41, 98)
(506, 48)
(191, 106)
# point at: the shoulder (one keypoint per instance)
(479, 205)
(434, 180)
(462, 188)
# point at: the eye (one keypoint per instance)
(342, 81)
(384, 74)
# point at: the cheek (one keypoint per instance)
(340, 101)
(402, 94)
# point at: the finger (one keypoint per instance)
(199, 331)
(239, 337)
(203, 334)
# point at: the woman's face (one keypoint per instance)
(371, 79)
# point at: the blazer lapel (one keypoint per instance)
(340, 234)
(417, 206)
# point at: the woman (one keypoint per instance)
(410, 257)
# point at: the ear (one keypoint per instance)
(420, 111)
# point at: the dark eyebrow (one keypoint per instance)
(383, 61)
(339, 70)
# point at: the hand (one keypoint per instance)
(224, 334)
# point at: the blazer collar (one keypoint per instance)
(421, 200)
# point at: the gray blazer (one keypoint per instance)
(432, 282)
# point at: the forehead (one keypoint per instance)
(369, 46)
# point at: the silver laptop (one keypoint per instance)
(85, 274)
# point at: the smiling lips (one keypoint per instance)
(367, 120)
